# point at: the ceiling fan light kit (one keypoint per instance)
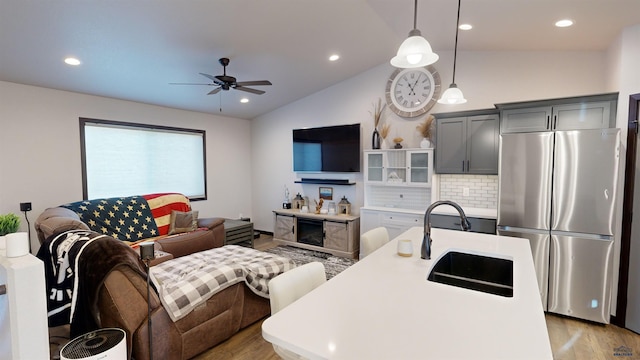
(453, 95)
(415, 51)
(226, 82)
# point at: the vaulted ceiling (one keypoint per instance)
(133, 49)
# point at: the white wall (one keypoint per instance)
(40, 149)
(486, 78)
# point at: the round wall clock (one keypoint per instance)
(412, 92)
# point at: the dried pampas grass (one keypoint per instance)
(377, 112)
(426, 128)
(384, 131)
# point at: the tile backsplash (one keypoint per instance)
(482, 190)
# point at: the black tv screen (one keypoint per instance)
(327, 149)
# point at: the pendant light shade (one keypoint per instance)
(453, 95)
(415, 51)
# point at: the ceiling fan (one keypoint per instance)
(226, 82)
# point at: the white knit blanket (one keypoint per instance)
(188, 281)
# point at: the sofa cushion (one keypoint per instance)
(183, 221)
(161, 206)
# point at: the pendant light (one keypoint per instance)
(415, 51)
(453, 95)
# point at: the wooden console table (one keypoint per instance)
(338, 235)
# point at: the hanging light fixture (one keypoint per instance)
(415, 51)
(453, 95)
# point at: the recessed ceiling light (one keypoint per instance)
(465, 27)
(244, 100)
(564, 23)
(334, 57)
(72, 61)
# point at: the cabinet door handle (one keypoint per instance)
(548, 121)
(555, 121)
(293, 229)
(462, 165)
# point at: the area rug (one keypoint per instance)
(333, 265)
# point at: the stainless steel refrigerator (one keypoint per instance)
(557, 189)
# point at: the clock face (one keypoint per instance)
(412, 92)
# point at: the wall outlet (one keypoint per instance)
(465, 191)
(25, 206)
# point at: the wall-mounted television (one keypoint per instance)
(327, 149)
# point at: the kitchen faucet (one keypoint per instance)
(425, 250)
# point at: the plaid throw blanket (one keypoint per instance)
(188, 281)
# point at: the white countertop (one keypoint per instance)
(444, 210)
(384, 308)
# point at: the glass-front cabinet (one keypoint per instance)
(374, 166)
(399, 167)
(420, 167)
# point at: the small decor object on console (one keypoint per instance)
(319, 205)
(286, 204)
(344, 206)
(298, 202)
(326, 193)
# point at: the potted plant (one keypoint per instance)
(9, 223)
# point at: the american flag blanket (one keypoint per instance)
(130, 218)
(188, 281)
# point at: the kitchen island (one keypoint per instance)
(383, 307)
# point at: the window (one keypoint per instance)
(124, 159)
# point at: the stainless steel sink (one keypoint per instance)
(475, 272)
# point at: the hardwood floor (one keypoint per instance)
(576, 339)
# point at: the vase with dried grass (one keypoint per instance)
(377, 116)
(426, 130)
(384, 133)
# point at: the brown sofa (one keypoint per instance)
(121, 299)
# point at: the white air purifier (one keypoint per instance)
(104, 344)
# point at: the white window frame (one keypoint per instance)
(156, 160)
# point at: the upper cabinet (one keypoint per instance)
(467, 142)
(587, 112)
(399, 167)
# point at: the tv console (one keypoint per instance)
(338, 235)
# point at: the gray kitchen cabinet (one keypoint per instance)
(467, 142)
(587, 112)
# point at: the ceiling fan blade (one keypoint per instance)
(253, 91)
(254, 83)
(190, 84)
(214, 91)
(213, 78)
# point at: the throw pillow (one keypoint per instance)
(182, 221)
